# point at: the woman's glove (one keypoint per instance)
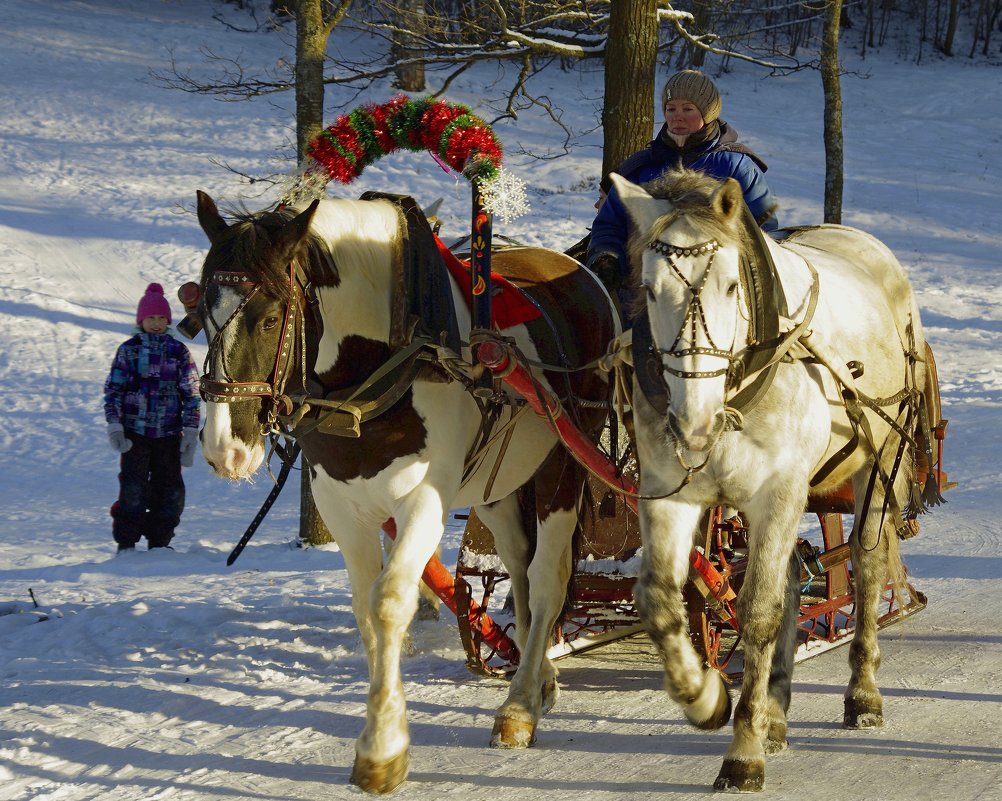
(116, 436)
(189, 444)
(606, 267)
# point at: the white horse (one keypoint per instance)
(309, 299)
(728, 415)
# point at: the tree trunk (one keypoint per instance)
(311, 527)
(951, 29)
(991, 23)
(409, 77)
(311, 47)
(830, 80)
(702, 23)
(630, 59)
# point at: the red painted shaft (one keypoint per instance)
(441, 582)
(496, 357)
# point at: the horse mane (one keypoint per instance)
(249, 245)
(690, 192)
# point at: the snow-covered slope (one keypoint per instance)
(171, 676)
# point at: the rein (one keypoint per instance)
(288, 460)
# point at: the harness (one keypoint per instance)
(695, 316)
(340, 412)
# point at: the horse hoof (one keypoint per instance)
(512, 733)
(711, 709)
(379, 777)
(550, 694)
(863, 715)
(427, 609)
(737, 776)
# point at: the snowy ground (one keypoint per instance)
(170, 676)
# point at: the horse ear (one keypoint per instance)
(209, 218)
(727, 199)
(294, 231)
(643, 208)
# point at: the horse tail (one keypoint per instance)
(896, 575)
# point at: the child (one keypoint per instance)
(152, 407)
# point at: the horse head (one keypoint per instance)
(686, 256)
(252, 310)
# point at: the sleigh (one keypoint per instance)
(599, 605)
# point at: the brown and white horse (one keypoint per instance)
(844, 363)
(298, 296)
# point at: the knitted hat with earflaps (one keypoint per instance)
(695, 87)
(153, 304)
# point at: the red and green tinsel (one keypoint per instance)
(450, 131)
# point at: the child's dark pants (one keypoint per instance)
(151, 491)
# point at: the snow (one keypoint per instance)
(167, 675)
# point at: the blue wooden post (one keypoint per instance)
(480, 277)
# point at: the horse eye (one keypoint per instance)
(269, 323)
(650, 292)
(732, 288)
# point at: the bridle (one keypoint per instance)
(292, 342)
(694, 318)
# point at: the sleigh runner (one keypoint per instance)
(336, 325)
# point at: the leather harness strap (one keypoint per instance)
(341, 412)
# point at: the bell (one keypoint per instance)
(189, 294)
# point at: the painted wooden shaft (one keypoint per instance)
(481, 237)
(480, 260)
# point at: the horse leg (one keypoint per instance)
(428, 601)
(762, 606)
(382, 750)
(872, 551)
(377, 763)
(668, 527)
(504, 519)
(781, 675)
(534, 690)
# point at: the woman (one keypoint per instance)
(693, 136)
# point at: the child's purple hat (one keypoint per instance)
(153, 304)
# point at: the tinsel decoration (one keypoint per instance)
(453, 135)
(459, 138)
